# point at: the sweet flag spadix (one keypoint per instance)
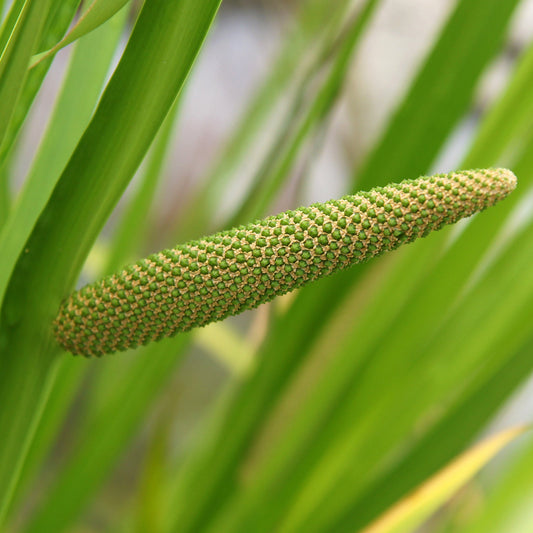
(207, 280)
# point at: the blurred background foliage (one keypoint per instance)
(351, 405)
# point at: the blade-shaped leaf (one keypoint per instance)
(94, 16)
(441, 92)
(75, 104)
(278, 162)
(412, 511)
(129, 234)
(71, 116)
(129, 114)
(9, 22)
(507, 504)
(57, 21)
(102, 443)
(507, 118)
(15, 57)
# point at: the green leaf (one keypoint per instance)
(16, 55)
(90, 186)
(301, 124)
(72, 113)
(101, 443)
(9, 22)
(94, 16)
(150, 503)
(411, 512)
(310, 37)
(75, 104)
(66, 384)
(5, 196)
(441, 92)
(57, 21)
(507, 119)
(132, 226)
(507, 502)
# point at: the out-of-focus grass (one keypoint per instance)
(362, 386)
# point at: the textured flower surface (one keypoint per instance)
(212, 278)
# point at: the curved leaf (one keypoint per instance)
(96, 14)
(129, 114)
(413, 510)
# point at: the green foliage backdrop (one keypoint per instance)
(337, 402)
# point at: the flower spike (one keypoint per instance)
(212, 278)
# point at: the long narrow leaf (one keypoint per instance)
(276, 167)
(131, 230)
(81, 89)
(90, 186)
(507, 505)
(103, 442)
(56, 22)
(441, 92)
(96, 14)
(71, 116)
(508, 118)
(15, 57)
(411, 512)
(8, 24)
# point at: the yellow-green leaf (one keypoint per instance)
(415, 508)
(95, 15)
